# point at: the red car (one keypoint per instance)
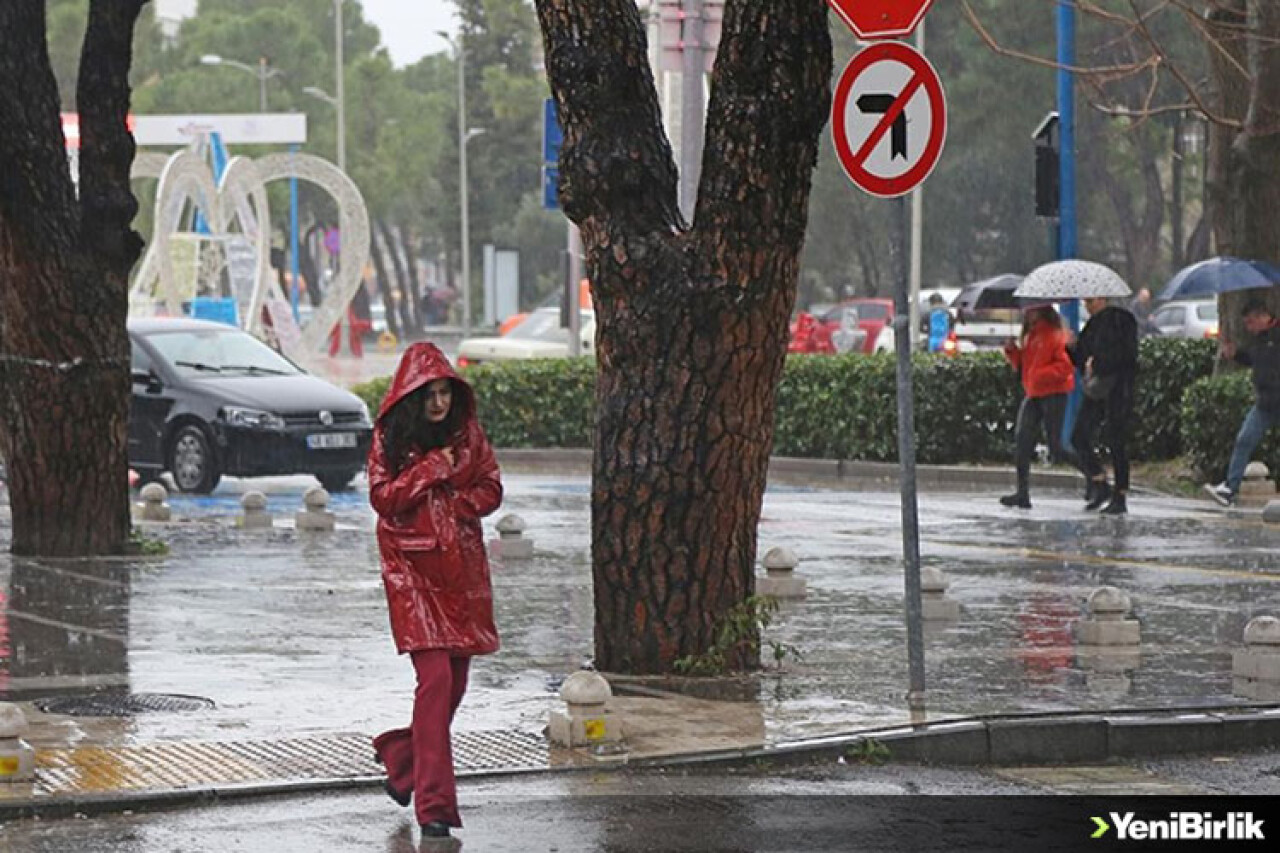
(814, 334)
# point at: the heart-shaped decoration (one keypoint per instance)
(241, 198)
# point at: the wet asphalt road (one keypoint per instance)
(818, 807)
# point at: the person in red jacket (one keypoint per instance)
(1048, 376)
(432, 477)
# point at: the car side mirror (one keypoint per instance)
(145, 377)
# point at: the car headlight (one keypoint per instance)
(252, 418)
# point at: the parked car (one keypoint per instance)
(210, 399)
(539, 335)
(1187, 319)
(870, 315)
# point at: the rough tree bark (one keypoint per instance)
(1244, 177)
(64, 265)
(691, 321)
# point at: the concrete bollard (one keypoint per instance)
(17, 758)
(935, 605)
(1106, 624)
(1271, 512)
(511, 544)
(254, 515)
(153, 506)
(780, 579)
(586, 721)
(1255, 669)
(315, 514)
(1257, 485)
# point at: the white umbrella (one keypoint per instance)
(1072, 280)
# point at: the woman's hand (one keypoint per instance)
(448, 454)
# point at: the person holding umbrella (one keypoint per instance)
(1263, 356)
(1107, 354)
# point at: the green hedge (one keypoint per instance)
(844, 407)
(1212, 411)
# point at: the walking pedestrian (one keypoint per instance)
(432, 477)
(1047, 378)
(1107, 353)
(1263, 356)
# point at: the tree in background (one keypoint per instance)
(64, 266)
(692, 318)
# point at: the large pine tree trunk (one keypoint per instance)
(691, 321)
(64, 263)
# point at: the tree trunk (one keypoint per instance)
(691, 322)
(397, 269)
(1244, 179)
(384, 288)
(413, 279)
(64, 262)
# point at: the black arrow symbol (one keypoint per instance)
(880, 104)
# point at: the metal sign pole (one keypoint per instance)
(907, 462)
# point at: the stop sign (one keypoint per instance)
(881, 19)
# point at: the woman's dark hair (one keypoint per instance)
(1040, 312)
(405, 427)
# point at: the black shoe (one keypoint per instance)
(1017, 499)
(435, 829)
(402, 798)
(1101, 494)
(1117, 505)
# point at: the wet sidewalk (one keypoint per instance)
(279, 639)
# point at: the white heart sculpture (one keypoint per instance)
(241, 195)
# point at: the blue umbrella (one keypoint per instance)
(1219, 275)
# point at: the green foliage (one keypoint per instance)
(845, 407)
(1212, 411)
(1166, 367)
(867, 751)
(737, 635)
(141, 545)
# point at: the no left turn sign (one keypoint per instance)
(888, 119)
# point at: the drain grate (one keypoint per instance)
(122, 704)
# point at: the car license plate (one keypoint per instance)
(331, 440)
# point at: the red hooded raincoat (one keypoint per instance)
(434, 566)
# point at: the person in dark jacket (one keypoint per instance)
(432, 477)
(1263, 355)
(1047, 378)
(1107, 354)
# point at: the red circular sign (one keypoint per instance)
(879, 19)
(885, 92)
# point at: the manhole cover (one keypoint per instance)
(122, 704)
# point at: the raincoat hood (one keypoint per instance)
(421, 364)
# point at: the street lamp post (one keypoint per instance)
(263, 71)
(465, 135)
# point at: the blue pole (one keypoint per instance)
(1067, 246)
(293, 241)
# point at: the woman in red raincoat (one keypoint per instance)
(432, 477)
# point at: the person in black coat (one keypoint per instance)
(1107, 353)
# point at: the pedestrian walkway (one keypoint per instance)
(284, 633)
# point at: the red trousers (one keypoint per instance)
(420, 758)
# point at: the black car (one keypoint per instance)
(210, 399)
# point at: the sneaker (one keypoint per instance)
(1221, 493)
(1017, 499)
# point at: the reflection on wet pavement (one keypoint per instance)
(286, 632)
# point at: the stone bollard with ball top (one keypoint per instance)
(153, 506)
(254, 515)
(935, 606)
(511, 544)
(1255, 669)
(586, 720)
(1257, 486)
(315, 514)
(1108, 623)
(17, 758)
(780, 579)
